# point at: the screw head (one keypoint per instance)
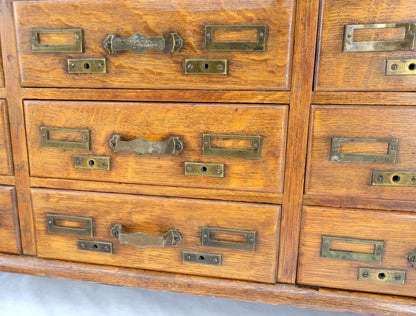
(220, 67)
(365, 274)
(99, 66)
(78, 162)
(209, 35)
(215, 260)
(189, 168)
(82, 245)
(261, 34)
(397, 277)
(251, 240)
(73, 65)
(218, 171)
(380, 178)
(190, 66)
(394, 67)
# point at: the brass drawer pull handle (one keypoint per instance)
(171, 238)
(138, 43)
(140, 146)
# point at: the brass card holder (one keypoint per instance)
(338, 156)
(87, 66)
(92, 162)
(208, 149)
(223, 238)
(206, 66)
(75, 47)
(202, 258)
(140, 146)
(393, 178)
(82, 134)
(382, 275)
(405, 44)
(70, 225)
(97, 246)
(401, 67)
(212, 44)
(328, 250)
(203, 169)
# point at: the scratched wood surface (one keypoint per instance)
(9, 224)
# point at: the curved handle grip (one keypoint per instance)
(171, 238)
(138, 43)
(140, 146)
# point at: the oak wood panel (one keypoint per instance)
(254, 70)
(17, 129)
(360, 71)
(1, 68)
(395, 229)
(226, 195)
(6, 163)
(157, 122)
(329, 299)
(155, 216)
(368, 98)
(302, 80)
(353, 179)
(9, 225)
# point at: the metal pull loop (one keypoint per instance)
(171, 238)
(140, 146)
(138, 43)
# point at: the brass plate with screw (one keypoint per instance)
(382, 275)
(213, 45)
(75, 47)
(402, 67)
(206, 66)
(209, 238)
(98, 246)
(92, 162)
(204, 169)
(202, 258)
(406, 44)
(46, 141)
(327, 252)
(336, 154)
(209, 150)
(87, 66)
(412, 258)
(394, 178)
(70, 225)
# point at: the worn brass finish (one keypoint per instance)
(406, 44)
(212, 45)
(138, 43)
(140, 146)
(206, 66)
(204, 169)
(403, 66)
(394, 178)
(209, 150)
(92, 162)
(98, 246)
(171, 238)
(76, 47)
(337, 155)
(87, 66)
(61, 144)
(327, 252)
(412, 258)
(209, 238)
(86, 225)
(202, 258)
(382, 275)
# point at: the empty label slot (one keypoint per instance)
(235, 35)
(242, 144)
(69, 225)
(338, 245)
(379, 34)
(365, 148)
(57, 39)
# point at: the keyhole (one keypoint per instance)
(86, 66)
(91, 163)
(412, 66)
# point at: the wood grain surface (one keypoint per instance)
(6, 162)
(9, 224)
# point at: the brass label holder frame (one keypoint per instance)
(393, 178)
(382, 275)
(206, 67)
(406, 44)
(92, 162)
(202, 258)
(327, 252)
(87, 66)
(208, 239)
(225, 46)
(209, 150)
(337, 156)
(86, 229)
(401, 67)
(76, 47)
(61, 144)
(204, 169)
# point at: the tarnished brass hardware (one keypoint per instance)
(401, 67)
(140, 146)
(210, 238)
(209, 150)
(46, 141)
(202, 258)
(206, 66)
(412, 258)
(382, 275)
(394, 178)
(92, 162)
(204, 169)
(70, 225)
(375, 256)
(337, 155)
(211, 44)
(98, 246)
(138, 43)
(171, 238)
(75, 47)
(87, 66)
(406, 44)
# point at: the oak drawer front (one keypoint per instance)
(1, 70)
(243, 146)
(362, 151)
(9, 233)
(6, 167)
(240, 242)
(367, 46)
(360, 250)
(218, 45)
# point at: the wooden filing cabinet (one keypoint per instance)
(258, 150)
